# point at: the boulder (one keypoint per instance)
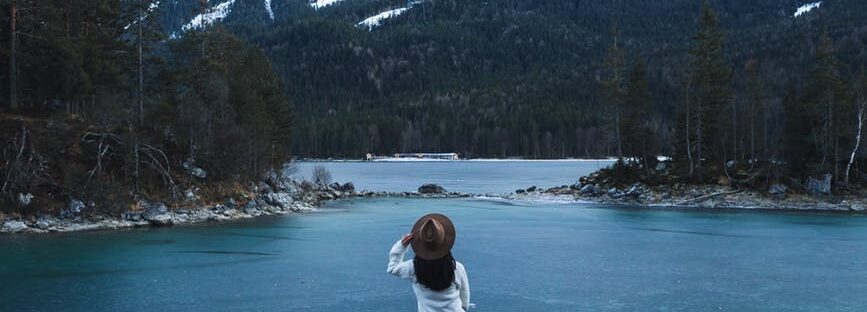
(857, 207)
(431, 189)
(532, 189)
(14, 226)
(230, 202)
(778, 190)
(588, 189)
(347, 187)
(614, 193)
(635, 191)
(156, 213)
(661, 166)
(161, 220)
(193, 170)
(821, 186)
(73, 209)
(278, 199)
(132, 216)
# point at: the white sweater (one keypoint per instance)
(456, 298)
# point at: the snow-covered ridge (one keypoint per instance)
(214, 14)
(376, 20)
(807, 8)
(318, 4)
(269, 9)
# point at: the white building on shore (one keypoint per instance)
(413, 156)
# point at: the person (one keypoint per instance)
(439, 282)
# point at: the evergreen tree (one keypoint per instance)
(709, 76)
(638, 136)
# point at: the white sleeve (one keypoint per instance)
(396, 265)
(464, 285)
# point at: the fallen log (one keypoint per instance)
(708, 196)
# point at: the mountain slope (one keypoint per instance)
(509, 77)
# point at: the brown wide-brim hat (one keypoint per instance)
(434, 236)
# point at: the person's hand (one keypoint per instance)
(407, 238)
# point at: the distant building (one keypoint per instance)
(440, 156)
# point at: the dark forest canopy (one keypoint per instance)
(517, 78)
(726, 82)
(105, 109)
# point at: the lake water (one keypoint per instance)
(476, 177)
(520, 256)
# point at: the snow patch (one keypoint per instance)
(374, 21)
(318, 4)
(151, 8)
(215, 14)
(807, 8)
(269, 9)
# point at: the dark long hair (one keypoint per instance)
(438, 275)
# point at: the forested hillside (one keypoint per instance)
(101, 110)
(517, 78)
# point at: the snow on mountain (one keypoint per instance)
(214, 14)
(807, 8)
(153, 6)
(318, 4)
(270, 10)
(374, 21)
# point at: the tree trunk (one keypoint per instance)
(688, 141)
(13, 66)
(140, 66)
(699, 137)
(857, 141)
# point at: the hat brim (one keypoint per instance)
(435, 252)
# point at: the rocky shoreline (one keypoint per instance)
(276, 196)
(282, 195)
(778, 197)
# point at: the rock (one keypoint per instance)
(230, 202)
(614, 193)
(431, 189)
(24, 199)
(520, 191)
(278, 199)
(14, 226)
(193, 170)
(661, 166)
(132, 216)
(731, 164)
(155, 213)
(587, 189)
(532, 189)
(44, 222)
(348, 187)
(635, 191)
(73, 209)
(857, 207)
(819, 186)
(778, 190)
(161, 220)
(190, 195)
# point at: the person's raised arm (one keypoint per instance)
(464, 284)
(396, 265)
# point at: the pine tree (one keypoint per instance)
(613, 87)
(637, 134)
(709, 91)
